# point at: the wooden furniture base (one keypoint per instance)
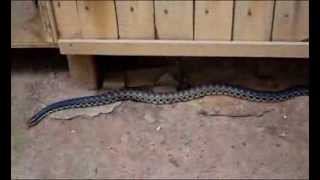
(81, 29)
(84, 70)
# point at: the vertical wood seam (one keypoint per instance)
(79, 19)
(116, 13)
(193, 19)
(52, 21)
(272, 21)
(233, 20)
(156, 36)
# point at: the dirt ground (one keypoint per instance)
(212, 137)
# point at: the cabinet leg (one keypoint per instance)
(84, 70)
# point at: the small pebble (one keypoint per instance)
(73, 131)
(285, 117)
(158, 128)
(283, 134)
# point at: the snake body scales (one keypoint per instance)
(170, 98)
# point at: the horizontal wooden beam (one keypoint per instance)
(184, 48)
(34, 45)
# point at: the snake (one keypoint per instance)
(184, 95)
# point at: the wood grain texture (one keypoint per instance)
(50, 18)
(83, 70)
(47, 24)
(98, 19)
(253, 20)
(28, 29)
(186, 48)
(291, 21)
(213, 20)
(67, 19)
(135, 19)
(174, 20)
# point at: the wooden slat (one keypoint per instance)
(67, 19)
(47, 15)
(185, 48)
(45, 19)
(253, 20)
(135, 19)
(98, 19)
(174, 19)
(291, 21)
(213, 20)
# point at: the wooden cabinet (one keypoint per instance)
(129, 27)
(252, 28)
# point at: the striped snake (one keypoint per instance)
(169, 98)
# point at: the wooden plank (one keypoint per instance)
(83, 70)
(45, 19)
(253, 20)
(291, 21)
(98, 19)
(33, 45)
(174, 20)
(213, 20)
(27, 29)
(46, 7)
(185, 48)
(135, 19)
(67, 19)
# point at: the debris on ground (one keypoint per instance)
(89, 112)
